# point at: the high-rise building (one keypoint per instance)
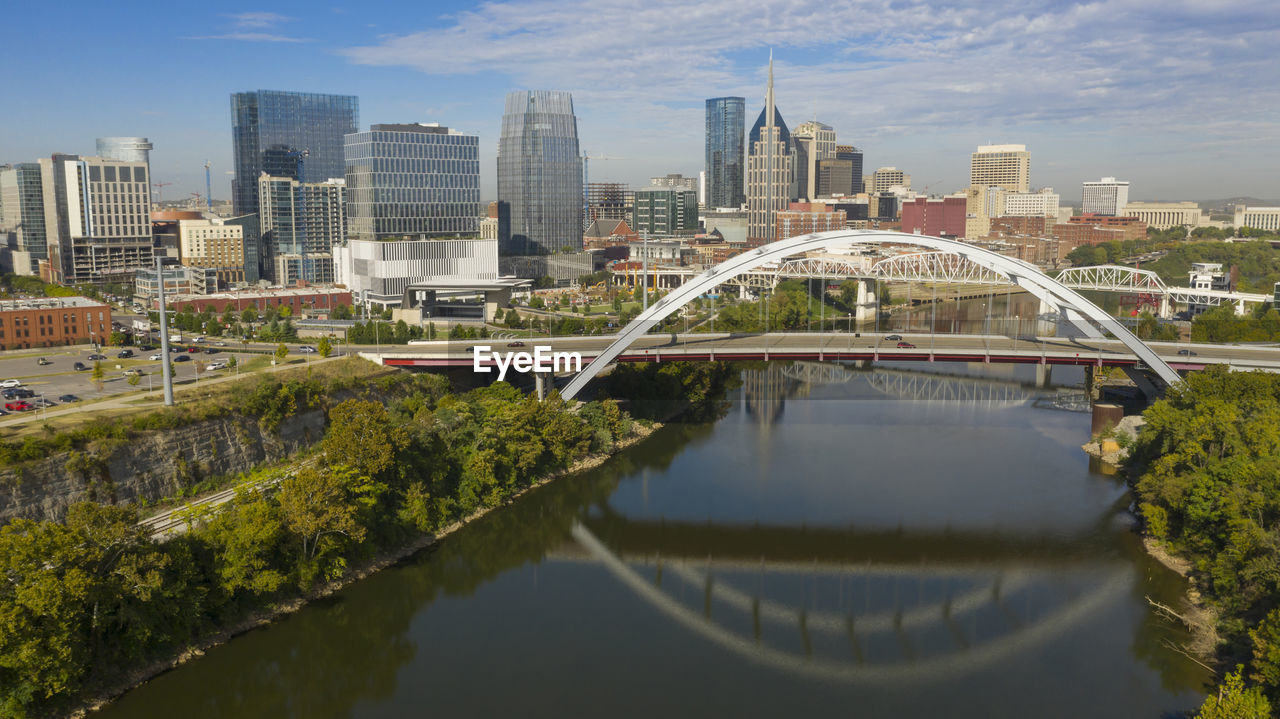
(726, 125)
(676, 180)
(814, 142)
(125, 149)
(887, 177)
(770, 172)
(609, 201)
(412, 180)
(215, 245)
(379, 271)
(934, 216)
(665, 210)
(97, 218)
(854, 156)
(540, 172)
(269, 129)
(22, 215)
(300, 223)
(1041, 203)
(1107, 196)
(1007, 167)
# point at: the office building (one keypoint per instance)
(270, 129)
(675, 180)
(125, 149)
(1007, 167)
(666, 211)
(802, 218)
(609, 201)
(840, 174)
(935, 216)
(1041, 203)
(213, 244)
(22, 216)
(725, 153)
(1163, 215)
(379, 272)
(412, 180)
(770, 173)
(178, 280)
(97, 218)
(1258, 218)
(52, 322)
(814, 142)
(300, 223)
(540, 172)
(1107, 196)
(301, 301)
(886, 178)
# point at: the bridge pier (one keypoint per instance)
(1166, 308)
(540, 385)
(866, 301)
(1044, 375)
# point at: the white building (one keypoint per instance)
(1207, 276)
(379, 271)
(1107, 196)
(97, 218)
(215, 245)
(1163, 215)
(1043, 203)
(1259, 218)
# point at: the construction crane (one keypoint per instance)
(208, 187)
(157, 186)
(195, 200)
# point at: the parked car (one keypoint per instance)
(197, 339)
(515, 344)
(79, 367)
(894, 338)
(133, 372)
(23, 393)
(11, 383)
(42, 403)
(145, 348)
(193, 349)
(211, 350)
(156, 357)
(96, 357)
(217, 365)
(17, 406)
(906, 346)
(10, 393)
(68, 398)
(42, 362)
(182, 358)
(124, 354)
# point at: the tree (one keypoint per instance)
(96, 375)
(232, 362)
(134, 380)
(285, 311)
(1233, 701)
(249, 314)
(497, 315)
(362, 435)
(617, 303)
(324, 347)
(282, 351)
(247, 538)
(1266, 651)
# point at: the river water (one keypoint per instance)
(905, 540)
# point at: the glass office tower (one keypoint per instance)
(540, 173)
(268, 127)
(414, 179)
(726, 122)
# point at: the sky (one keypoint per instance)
(1180, 97)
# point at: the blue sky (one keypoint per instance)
(1181, 97)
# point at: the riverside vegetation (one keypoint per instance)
(1206, 468)
(87, 601)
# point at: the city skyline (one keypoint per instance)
(1113, 88)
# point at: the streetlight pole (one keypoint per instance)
(164, 338)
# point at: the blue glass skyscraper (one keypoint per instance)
(268, 125)
(540, 173)
(726, 121)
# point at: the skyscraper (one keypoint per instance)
(300, 223)
(726, 124)
(1007, 167)
(22, 213)
(268, 125)
(770, 174)
(125, 149)
(412, 180)
(540, 172)
(97, 218)
(814, 142)
(1107, 196)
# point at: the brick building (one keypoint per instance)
(313, 299)
(934, 216)
(803, 218)
(52, 322)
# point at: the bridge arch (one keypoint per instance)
(1090, 318)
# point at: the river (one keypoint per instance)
(905, 540)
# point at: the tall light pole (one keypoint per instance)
(164, 338)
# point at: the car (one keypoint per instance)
(515, 344)
(79, 367)
(174, 348)
(1187, 353)
(23, 393)
(182, 358)
(906, 346)
(96, 357)
(894, 338)
(193, 349)
(145, 348)
(11, 383)
(42, 362)
(211, 350)
(18, 406)
(220, 344)
(10, 393)
(133, 372)
(124, 354)
(43, 403)
(307, 348)
(68, 398)
(156, 357)
(216, 365)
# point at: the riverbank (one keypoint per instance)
(385, 559)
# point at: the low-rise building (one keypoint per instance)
(803, 218)
(379, 271)
(299, 300)
(1163, 215)
(1258, 218)
(935, 216)
(53, 322)
(178, 280)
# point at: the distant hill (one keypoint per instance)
(1229, 204)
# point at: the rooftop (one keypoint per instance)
(47, 303)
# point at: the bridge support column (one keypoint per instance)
(1044, 375)
(866, 301)
(1240, 310)
(1166, 308)
(1046, 308)
(540, 385)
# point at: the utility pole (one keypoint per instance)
(164, 338)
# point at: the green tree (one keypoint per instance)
(361, 434)
(249, 314)
(497, 315)
(324, 347)
(247, 538)
(134, 380)
(1234, 701)
(285, 311)
(617, 303)
(96, 375)
(341, 312)
(1266, 651)
(282, 351)
(232, 362)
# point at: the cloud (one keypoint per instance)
(250, 37)
(258, 19)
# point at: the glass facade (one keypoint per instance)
(726, 122)
(267, 125)
(22, 208)
(300, 223)
(412, 180)
(540, 173)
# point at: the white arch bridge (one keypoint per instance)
(977, 263)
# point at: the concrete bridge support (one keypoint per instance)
(540, 381)
(1044, 375)
(866, 301)
(1166, 308)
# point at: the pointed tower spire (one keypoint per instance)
(769, 153)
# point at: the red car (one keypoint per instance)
(18, 406)
(193, 349)
(906, 346)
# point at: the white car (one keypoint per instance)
(156, 357)
(11, 383)
(307, 348)
(216, 365)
